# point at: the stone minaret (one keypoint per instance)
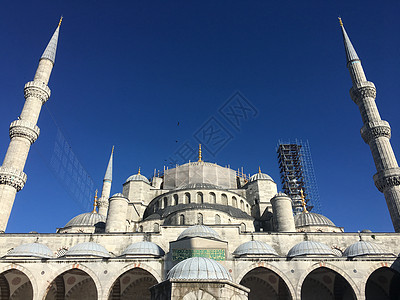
(24, 132)
(375, 132)
(105, 193)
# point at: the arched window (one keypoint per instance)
(187, 198)
(243, 227)
(224, 199)
(247, 208)
(242, 205)
(165, 202)
(234, 202)
(217, 219)
(156, 206)
(140, 228)
(181, 220)
(199, 197)
(199, 219)
(213, 198)
(156, 227)
(175, 199)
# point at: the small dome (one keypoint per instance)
(199, 268)
(364, 248)
(118, 194)
(313, 219)
(199, 231)
(366, 231)
(310, 248)
(86, 219)
(260, 176)
(337, 252)
(87, 249)
(254, 248)
(280, 194)
(137, 177)
(144, 248)
(31, 250)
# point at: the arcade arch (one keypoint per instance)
(383, 284)
(327, 284)
(134, 284)
(73, 284)
(265, 284)
(15, 285)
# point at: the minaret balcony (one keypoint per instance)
(387, 178)
(12, 177)
(362, 90)
(38, 90)
(22, 128)
(374, 130)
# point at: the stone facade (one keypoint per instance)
(175, 236)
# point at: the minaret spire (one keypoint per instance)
(24, 132)
(102, 203)
(375, 132)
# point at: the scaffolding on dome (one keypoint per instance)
(297, 174)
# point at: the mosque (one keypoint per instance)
(198, 231)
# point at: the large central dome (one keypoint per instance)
(199, 173)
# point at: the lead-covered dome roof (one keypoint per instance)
(199, 231)
(260, 176)
(144, 248)
(312, 219)
(310, 248)
(199, 268)
(254, 248)
(31, 250)
(87, 249)
(137, 177)
(86, 219)
(362, 248)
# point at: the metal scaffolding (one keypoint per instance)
(297, 173)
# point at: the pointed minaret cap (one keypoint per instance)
(351, 54)
(50, 51)
(108, 175)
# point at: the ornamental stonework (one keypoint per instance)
(38, 90)
(24, 129)
(387, 179)
(367, 90)
(102, 203)
(374, 130)
(12, 177)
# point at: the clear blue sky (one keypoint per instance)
(127, 72)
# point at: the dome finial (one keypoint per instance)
(139, 171)
(259, 169)
(303, 201)
(95, 204)
(199, 153)
(340, 21)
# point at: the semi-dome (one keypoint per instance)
(312, 219)
(260, 176)
(31, 250)
(310, 248)
(361, 248)
(86, 219)
(137, 177)
(199, 268)
(87, 249)
(144, 248)
(254, 248)
(199, 231)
